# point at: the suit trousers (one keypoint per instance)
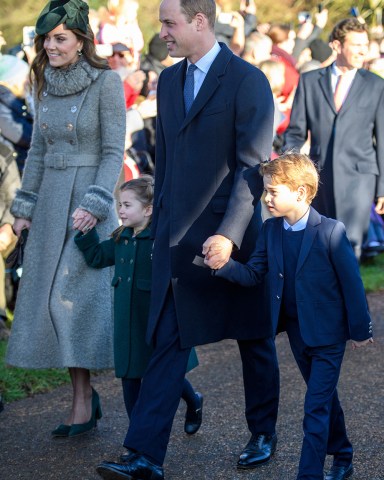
(131, 390)
(323, 425)
(152, 416)
(261, 384)
(162, 385)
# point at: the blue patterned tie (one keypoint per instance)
(189, 87)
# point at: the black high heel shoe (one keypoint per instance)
(80, 428)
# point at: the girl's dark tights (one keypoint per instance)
(131, 390)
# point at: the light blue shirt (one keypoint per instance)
(203, 65)
(299, 225)
(349, 76)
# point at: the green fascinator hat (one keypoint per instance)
(74, 13)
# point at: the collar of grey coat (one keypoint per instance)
(73, 79)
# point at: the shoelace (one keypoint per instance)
(255, 440)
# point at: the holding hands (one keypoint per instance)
(83, 220)
(217, 250)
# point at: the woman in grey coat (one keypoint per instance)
(63, 315)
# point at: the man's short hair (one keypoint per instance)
(293, 170)
(191, 8)
(347, 25)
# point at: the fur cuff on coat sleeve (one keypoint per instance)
(97, 201)
(24, 204)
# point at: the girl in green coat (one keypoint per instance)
(130, 250)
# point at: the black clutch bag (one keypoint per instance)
(16, 257)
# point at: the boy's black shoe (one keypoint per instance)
(258, 450)
(137, 468)
(339, 473)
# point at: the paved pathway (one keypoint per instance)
(27, 451)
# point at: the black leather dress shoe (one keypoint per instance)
(193, 418)
(137, 468)
(258, 450)
(126, 457)
(339, 473)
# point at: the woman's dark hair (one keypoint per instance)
(40, 61)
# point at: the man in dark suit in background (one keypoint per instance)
(342, 108)
(215, 117)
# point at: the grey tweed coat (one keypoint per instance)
(63, 315)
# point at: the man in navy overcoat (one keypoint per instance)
(205, 184)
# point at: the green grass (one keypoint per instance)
(373, 274)
(17, 383)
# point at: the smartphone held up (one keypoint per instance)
(28, 36)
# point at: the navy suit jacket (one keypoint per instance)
(330, 297)
(207, 182)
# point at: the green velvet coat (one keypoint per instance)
(132, 258)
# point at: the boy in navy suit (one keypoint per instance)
(316, 296)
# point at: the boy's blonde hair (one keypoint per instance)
(293, 170)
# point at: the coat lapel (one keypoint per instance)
(210, 84)
(310, 233)
(326, 86)
(177, 89)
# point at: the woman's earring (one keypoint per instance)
(79, 53)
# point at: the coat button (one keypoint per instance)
(119, 279)
(129, 279)
(125, 242)
(134, 243)
(50, 141)
(74, 109)
(281, 275)
(72, 142)
(69, 126)
(131, 261)
(121, 260)
(277, 297)
(45, 109)
(44, 126)
(45, 94)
